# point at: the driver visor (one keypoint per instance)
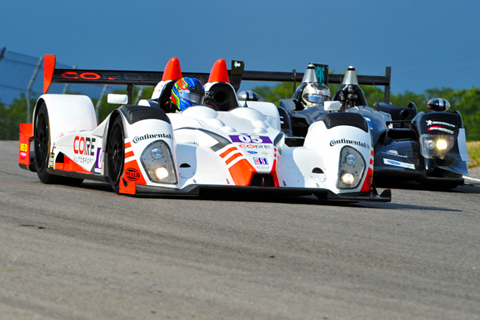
(315, 98)
(196, 98)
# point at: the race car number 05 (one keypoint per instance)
(245, 138)
(248, 139)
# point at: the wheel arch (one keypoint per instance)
(67, 113)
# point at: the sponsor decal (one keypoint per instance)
(431, 123)
(111, 76)
(152, 136)
(99, 161)
(440, 126)
(255, 146)
(84, 146)
(260, 161)
(50, 162)
(23, 151)
(252, 152)
(347, 141)
(83, 160)
(245, 138)
(132, 174)
(84, 75)
(394, 153)
(395, 163)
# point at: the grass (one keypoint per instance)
(473, 148)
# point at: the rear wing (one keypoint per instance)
(237, 74)
(110, 77)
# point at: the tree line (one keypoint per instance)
(466, 101)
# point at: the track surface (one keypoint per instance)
(87, 253)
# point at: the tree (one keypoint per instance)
(11, 116)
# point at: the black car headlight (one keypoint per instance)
(434, 145)
(158, 163)
(351, 169)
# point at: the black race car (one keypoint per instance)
(424, 147)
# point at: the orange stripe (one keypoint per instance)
(128, 145)
(223, 154)
(235, 156)
(129, 154)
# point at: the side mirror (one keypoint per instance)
(248, 95)
(114, 98)
(332, 105)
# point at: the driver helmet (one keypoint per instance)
(187, 92)
(315, 93)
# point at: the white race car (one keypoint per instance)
(227, 143)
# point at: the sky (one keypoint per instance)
(427, 43)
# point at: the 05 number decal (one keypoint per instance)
(248, 139)
(245, 138)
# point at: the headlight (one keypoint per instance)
(156, 153)
(351, 168)
(442, 144)
(350, 159)
(347, 178)
(436, 145)
(158, 163)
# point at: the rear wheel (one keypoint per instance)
(42, 149)
(116, 153)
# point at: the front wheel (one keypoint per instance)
(116, 153)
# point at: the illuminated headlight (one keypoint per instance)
(351, 168)
(158, 163)
(442, 144)
(435, 145)
(347, 178)
(161, 173)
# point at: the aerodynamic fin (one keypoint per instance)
(48, 68)
(219, 72)
(172, 70)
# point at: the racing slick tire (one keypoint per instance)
(115, 153)
(42, 142)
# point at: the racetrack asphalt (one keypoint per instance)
(86, 253)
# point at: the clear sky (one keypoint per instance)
(427, 43)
